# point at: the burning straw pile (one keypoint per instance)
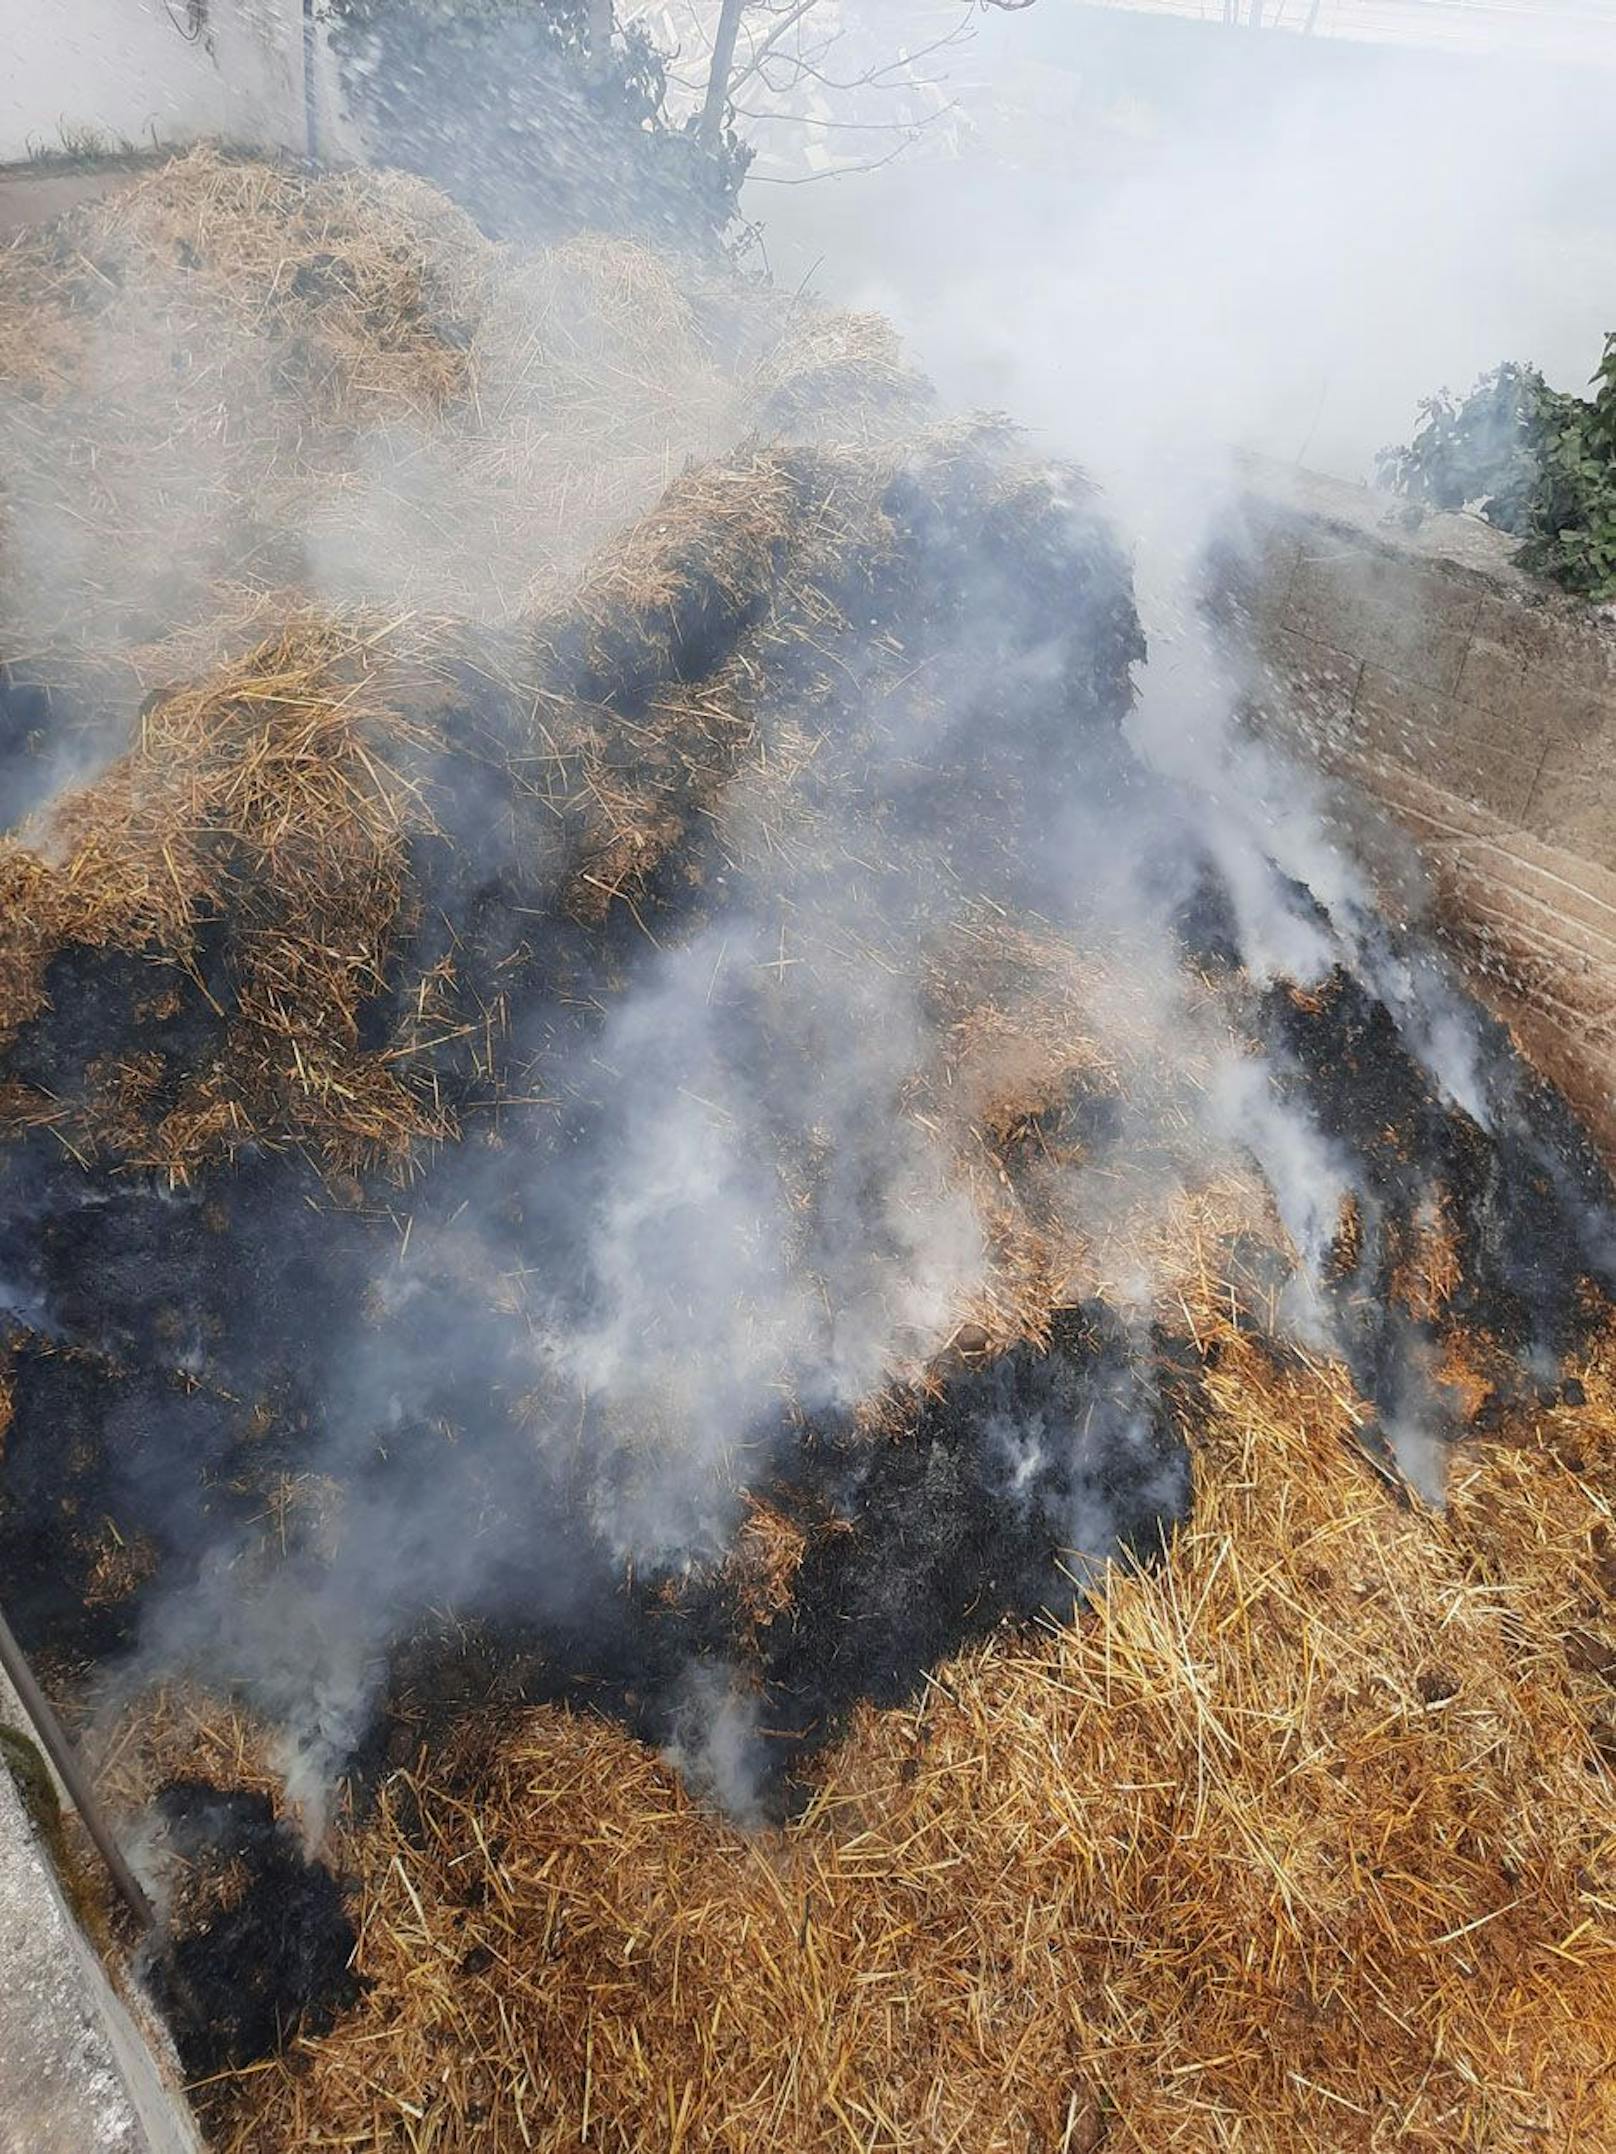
(658, 1248)
(265, 893)
(1301, 1840)
(233, 383)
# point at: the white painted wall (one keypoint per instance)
(132, 71)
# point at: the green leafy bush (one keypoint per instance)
(1533, 460)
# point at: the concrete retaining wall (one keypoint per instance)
(80, 2073)
(1410, 657)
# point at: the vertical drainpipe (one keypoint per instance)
(311, 94)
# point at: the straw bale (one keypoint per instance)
(189, 360)
(842, 373)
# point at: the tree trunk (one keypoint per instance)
(600, 38)
(712, 112)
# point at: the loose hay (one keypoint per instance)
(263, 795)
(287, 826)
(233, 381)
(1302, 1841)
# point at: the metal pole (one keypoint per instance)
(54, 1742)
(311, 93)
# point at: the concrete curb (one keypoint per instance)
(77, 2075)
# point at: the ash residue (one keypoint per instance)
(256, 1945)
(998, 1497)
(1018, 1481)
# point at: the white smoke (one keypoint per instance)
(763, 1217)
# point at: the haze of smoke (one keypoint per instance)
(1259, 240)
(751, 1216)
(719, 1286)
(718, 1747)
(708, 1287)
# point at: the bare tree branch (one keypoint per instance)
(808, 179)
(763, 43)
(761, 52)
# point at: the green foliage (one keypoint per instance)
(503, 104)
(1533, 460)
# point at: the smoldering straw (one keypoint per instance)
(495, 1104)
